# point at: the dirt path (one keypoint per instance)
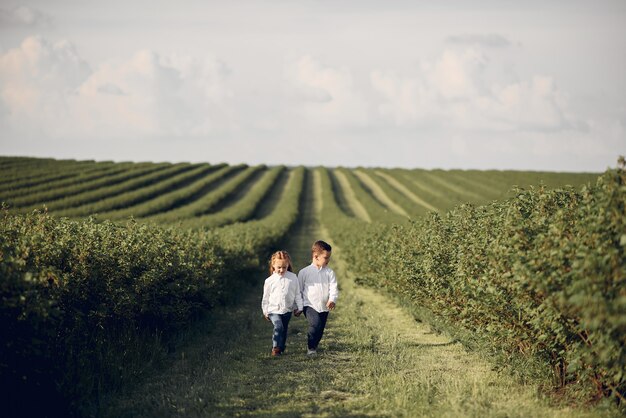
(375, 360)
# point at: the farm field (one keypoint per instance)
(430, 290)
(195, 194)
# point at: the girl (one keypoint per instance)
(280, 293)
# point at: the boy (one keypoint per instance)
(319, 293)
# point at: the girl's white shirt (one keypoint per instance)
(318, 285)
(281, 294)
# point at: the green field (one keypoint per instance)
(133, 289)
(205, 196)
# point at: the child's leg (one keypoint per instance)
(285, 319)
(322, 326)
(281, 322)
(317, 322)
(277, 336)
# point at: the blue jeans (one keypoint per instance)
(317, 323)
(281, 322)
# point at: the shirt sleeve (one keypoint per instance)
(266, 297)
(332, 287)
(299, 303)
(301, 275)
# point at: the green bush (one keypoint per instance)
(542, 274)
(86, 305)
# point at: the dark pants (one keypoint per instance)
(317, 323)
(281, 323)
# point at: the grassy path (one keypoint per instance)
(375, 360)
(350, 197)
(379, 193)
(400, 187)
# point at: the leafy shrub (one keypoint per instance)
(542, 274)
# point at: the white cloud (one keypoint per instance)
(37, 80)
(154, 95)
(492, 40)
(24, 16)
(529, 105)
(404, 98)
(325, 96)
(49, 88)
(458, 90)
(457, 76)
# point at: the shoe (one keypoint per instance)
(275, 351)
(311, 352)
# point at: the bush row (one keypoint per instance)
(542, 274)
(219, 192)
(82, 301)
(175, 197)
(32, 172)
(242, 209)
(88, 179)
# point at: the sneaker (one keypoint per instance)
(275, 351)
(311, 352)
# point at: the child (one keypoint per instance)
(280, 293)
(319, 293)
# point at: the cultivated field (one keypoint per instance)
(205, 195)
(133, 289)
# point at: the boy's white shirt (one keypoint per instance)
(318, 286)
(281, 294)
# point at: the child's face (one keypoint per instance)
(280, 266)
(321, 259)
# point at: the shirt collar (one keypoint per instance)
(317, 268)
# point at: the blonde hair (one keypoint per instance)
(280, 255)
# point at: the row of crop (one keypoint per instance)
(333, 215)
(120, 194)
(72, 205)
(408, 192)
(161, 199)
(243, 208)
(375, 209)
(7, 162)
(542, 274)
(178, 196)
(207, 202)
(12, 167)
(380, 192)
(80, 175)
(421, 206)
(439, 190)
(40, 172)
(272, 228)
(423, 187)
(119, 203)
(85, 303)
(85, 180)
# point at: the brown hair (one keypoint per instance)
(280, 255)
(320, 246)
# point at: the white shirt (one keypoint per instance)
(318, 285)
(281, 293)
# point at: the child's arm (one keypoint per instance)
(301, 281)
(266, 299)
(299, 303)
(299, 296)
(333, 291)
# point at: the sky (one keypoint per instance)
(533, 85)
